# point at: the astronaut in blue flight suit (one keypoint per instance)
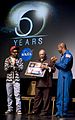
(64, 65)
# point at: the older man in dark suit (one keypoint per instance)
(43, 85)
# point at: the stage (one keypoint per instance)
(33, 117)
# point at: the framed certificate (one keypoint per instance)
(34, 69)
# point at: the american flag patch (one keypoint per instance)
(68, 55)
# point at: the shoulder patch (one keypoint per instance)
(68, 55)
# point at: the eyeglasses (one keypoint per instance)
(15, 52)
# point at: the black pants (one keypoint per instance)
(42, 96)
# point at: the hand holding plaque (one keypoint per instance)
(43, 66)
(36, 69)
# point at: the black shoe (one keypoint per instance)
(44, 114)
(32, 113)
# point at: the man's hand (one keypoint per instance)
(53, 59)
(44, 66)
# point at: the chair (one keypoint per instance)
(53, 104)
(31, 94)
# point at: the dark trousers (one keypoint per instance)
(42, 96)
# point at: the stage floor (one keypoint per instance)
(32, 117)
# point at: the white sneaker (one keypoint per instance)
(19, 112)
(8, 112)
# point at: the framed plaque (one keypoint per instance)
(34, 69)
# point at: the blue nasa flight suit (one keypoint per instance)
(64, 82)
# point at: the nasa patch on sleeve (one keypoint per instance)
(68, 55)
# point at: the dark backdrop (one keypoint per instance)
(60, 26)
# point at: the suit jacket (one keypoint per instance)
(46, 81)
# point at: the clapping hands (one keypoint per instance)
(53, 59)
